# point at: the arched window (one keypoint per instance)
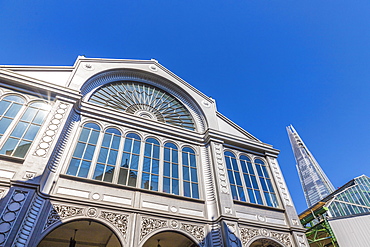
(108, 154)
(266, 184)
(250, 180)
(234, 177)
(150, 165)
(171, 169)
(189, 173)
(130, 161)
(84, 151)
(20, 139)
(9, 108)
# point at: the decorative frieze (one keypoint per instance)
(51, 131)
(246, 234)
(149, 224)
(221, 169)
(10, 214)
(195, 230)
(120, 221)
(59, 212)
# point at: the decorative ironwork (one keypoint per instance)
(149, 224)
(144, 101)
(196, 231)
(59, 212)
(118, 220)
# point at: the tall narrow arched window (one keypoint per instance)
(266, 184)
(150, 173)
(171, 169)
(130, 161)
(250, 180)
(84, 151)
(9, 108)
(189, 173)
(234, 177)
(20, 139)
(107, 158)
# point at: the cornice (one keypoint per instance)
(16, 81)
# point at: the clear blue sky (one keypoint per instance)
(268, 64)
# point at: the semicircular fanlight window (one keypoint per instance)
(144, 101)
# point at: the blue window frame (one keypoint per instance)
(129, 167)
(84, 151)
(108, 154)
(189, 172)
(24, 124)
(150, 175)
(234, 177)
(171, 169)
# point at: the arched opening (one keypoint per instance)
(265, 243)
(169, 239)
(89, 233)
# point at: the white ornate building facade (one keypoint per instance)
(114, 152)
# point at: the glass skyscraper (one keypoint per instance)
(315, 183)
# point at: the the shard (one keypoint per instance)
(315, 183)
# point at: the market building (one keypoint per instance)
(112, 152)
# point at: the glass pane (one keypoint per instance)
(113, 131)
(84, 169)
(9, 146)
(31, 132)
(145, 181)
(99, 170)
(156, 152)
(4, 106)
(234, 193)
(92, 126)
(146, 165)
(132, 179)
(94, 137)
(29, 114)
(187, 189)
(167, 154)
(79, 150)
(133, 136)
(185, 173)
(103, 155)
(228, 163)
(231, 177)
(112, 157)
(155, 166)
(4, 124)
(136, 149)
(84, 135)
(193, 162)
(148, 149)
(39, 119)
(14, 98)
(185, 160)
(19, 129)
(89, 152)
(128, 144)
(73, 167)
(251, 196)
(106, 140)
(175, 171)
(247, 181)
(238, 180)
(195, 190)
(166, 185)
(194, 177)
(166, 169)
(22, 149)
(175, 186)
(116, 141)
(108, 177)
(154, 183)
(13, 110)
(134, 162)
(241, 194)
(122, 176)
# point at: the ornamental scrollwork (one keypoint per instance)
(59, 212)
(118, 220)
(195, 230)
(247, 234)
(149, 224)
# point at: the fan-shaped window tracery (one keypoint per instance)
(144, 101)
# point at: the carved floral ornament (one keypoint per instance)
(149, 225)
(248, 235)
(60, 212)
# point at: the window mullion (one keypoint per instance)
(241, 174)
(141, 164)
(96, 154)
(119, 160)
(259, 183)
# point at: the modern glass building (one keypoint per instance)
(342, 218)
(113, 152)
(315, 183)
